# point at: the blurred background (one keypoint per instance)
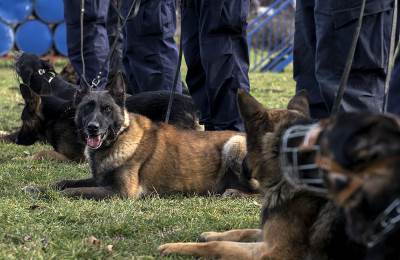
(34, 26)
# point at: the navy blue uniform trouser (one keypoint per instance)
(216, 53)
(394, 91)
(324, 31)
(150, 53)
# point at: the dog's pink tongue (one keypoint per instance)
(93, 142)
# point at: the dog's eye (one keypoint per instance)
(107, 109)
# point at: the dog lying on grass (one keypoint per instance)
(130, 156)
(296, 224)
(50, 119)
(49, 110)
(359, 157)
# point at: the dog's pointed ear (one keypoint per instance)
(254, 114)
(249, 106)
(300, 103)
(32, 100)
(116, 88)
(81, 92)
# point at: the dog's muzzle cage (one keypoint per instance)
(300, 170)
(384, 224)
(298, 162)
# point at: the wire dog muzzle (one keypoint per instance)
(303, 167)
(299, 150)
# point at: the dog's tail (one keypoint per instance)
(246, 176)
(234, 157)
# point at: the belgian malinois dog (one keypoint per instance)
(295, 224)
(130, 156)
(50, 119)
(360, 158)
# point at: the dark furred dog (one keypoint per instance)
(296, 224)
(129, 155)
(42, 78)
(361, 155)
(50, 119)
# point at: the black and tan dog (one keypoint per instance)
(296, 224)
(50, 119)
(360, 156)
(129, 155)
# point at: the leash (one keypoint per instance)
(393, 54)
(133, 8)
(178, 69)
(350, 58)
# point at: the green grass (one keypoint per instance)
(50, 226)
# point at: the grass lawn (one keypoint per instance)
(50, 226)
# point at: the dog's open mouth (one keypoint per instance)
(94, 142)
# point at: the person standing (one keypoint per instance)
(217, 57)
(323, 36)
(149, 51)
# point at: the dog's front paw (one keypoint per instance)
(209, 236)
(233, 193)
(169, 248)
(61, 185)
(36, 157)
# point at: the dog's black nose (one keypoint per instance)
(93, 127)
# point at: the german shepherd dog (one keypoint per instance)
(130, 156)
(360, 154)
(50, 119)
(296, 224)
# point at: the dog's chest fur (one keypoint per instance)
(105, 161)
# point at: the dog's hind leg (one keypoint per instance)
(64, 184)
(217, 249)
(49, 155)
(96, 193)
(234, 235)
